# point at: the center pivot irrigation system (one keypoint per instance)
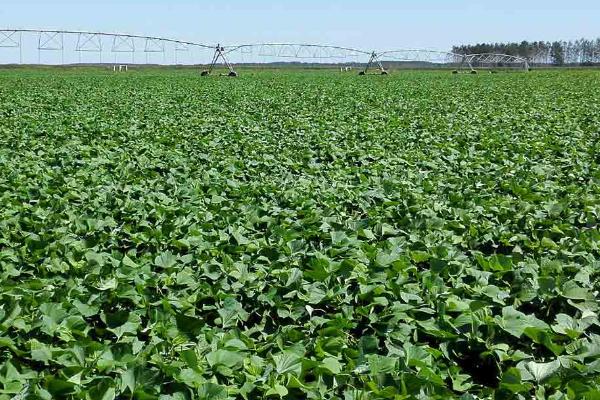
(65, 47)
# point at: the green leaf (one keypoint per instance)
(549, 244)
(94, 258)
(191, 359)
(224, 357)
(277, 390)
(240, 239)
(52, 315)
(515, 322)
(212, 391)
(288, 363)
(109, 394)
(332, 365)
(568, 326)
(40, 352)
(571, 290)
(165, 260)
(232, 312)
(381, 364)
(128, 262)
(128, 380)
(109, 284)
(511, 381)
(76, 379)
(543, 371)
(420, 256)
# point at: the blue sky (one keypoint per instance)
(366, 23)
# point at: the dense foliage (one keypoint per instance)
(299, 235)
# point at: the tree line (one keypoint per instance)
(578, 52)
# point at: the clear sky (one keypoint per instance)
(381, 24)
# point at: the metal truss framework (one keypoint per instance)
(494, 60)
(302, 51)
(308, 53)
(421, 56)
(12, 39)
(94, 42)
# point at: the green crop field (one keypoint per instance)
(299, 235)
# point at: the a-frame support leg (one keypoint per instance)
(374, 59)
(220, 54)
(465, 63)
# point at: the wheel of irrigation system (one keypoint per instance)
(233, 74)
(205, 73)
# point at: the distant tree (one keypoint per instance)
(525, 49)
(588, 51)
(557, 53)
